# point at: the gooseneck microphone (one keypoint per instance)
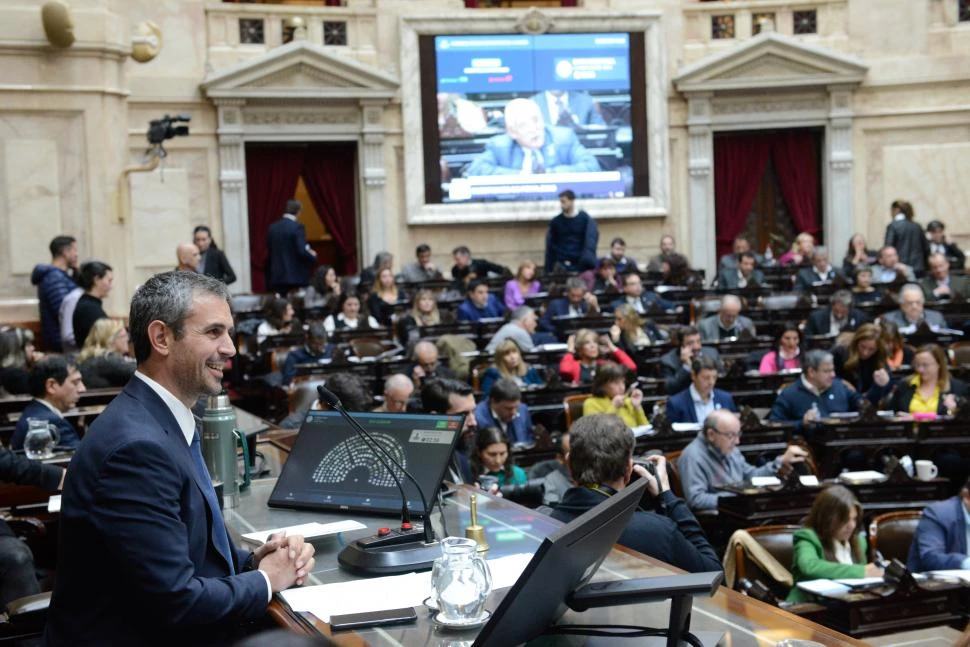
(388, 552)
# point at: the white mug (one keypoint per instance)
(926, 470)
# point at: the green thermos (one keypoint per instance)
(219, 441)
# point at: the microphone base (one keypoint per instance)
(389, 560)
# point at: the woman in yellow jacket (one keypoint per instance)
(609, 396)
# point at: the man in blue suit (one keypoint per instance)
(576, 109)
(56, 385)
(578, 302)
(503, 408)
(289, 257)
(480, 303)
(144, 556)
(940, 542)
(700, 399)
(530, 147)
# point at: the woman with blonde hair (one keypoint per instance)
(104, 361)
(509, 364)
(801, 250)
(865, 354)
(522, 286)
(383, 297)
(424, 312)
(578, 366)
(930, 389)
(628, 331)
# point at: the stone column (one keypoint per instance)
(839, 216)
(373, 173)
(700, 169)
(232, 182)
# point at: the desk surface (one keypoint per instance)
(512, 529)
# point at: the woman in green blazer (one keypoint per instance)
(830, 545)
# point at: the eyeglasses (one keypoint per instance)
(728, 434)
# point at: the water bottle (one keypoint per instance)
(219, 447)
(769, 255)
(818, 414)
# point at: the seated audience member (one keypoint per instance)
(936, 233)
(578, 302)
(56, 386)
(940, 542)
(479, 303)
(641, 300)
(351, 389)
(212, 261)
(889, 269)
(95, 279)
(503, 410)
(383, 296)
(700, 399)
(585, 356)
(727, 323)
(911, 312)
(601, 461)
(421, 269)
(426, 365)
(315, 350)
(510, 365)
(800, 252)
(713, 459)
(630, 332)
(17, 355)
(832, 544)
(863, 292)
(424, 312)
(467, 268)
(931, 388)
(188, 257)
(677, 273)
(609, 396)
(836, 318)
(623, 263)
(519, 329)
(820, 272)
(897, 351)
(553, 472)
(350, 315)
(104, 361)
(493, 457)
(857, 363)
(667, 247)
(939, 284)
(817, 394)
(575, 109)
(677, 363)
(453, 397)
(571, 238)
(524, 285)
(858, 255)
(16, 561)
(279, 320)
(730, 262)
(604, 279)
(787, 353)
(742, 275)
(369, 274)
(398, 389)
(324, 289)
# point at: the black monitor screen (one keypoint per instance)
(331, 467)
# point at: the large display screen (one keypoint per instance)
(524, 117)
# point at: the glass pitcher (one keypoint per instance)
(460, 581)
(41, 439)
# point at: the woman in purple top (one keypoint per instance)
(523, 285)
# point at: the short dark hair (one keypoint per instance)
(606, 373)
(474, 283)
(59, 244)
(617, 241)
(600, 448)
(293, 207)
(51, 366)
(748, 254)
(461, 249)
(505, 390)
(436, 393)
(568, 194)
(316, 330)
(90, 271)
(423, 248)
(275, 309)
(353, 391)
(678, 333)
(935, 225)
(205, 228)
(702, 363)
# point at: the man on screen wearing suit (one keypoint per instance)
(568, 109)
(530, 147)
(144, 555)
(289, 257)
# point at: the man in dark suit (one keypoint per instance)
(837, 318)
(642, 301)
(729, 262)
(571, 238)
(700, 399)
(576, 109)
(743, 274)
(289, 256)
(144, 556)
(728, 322)
(479, 303)
(503, 408)
(213, 261)
(820, 272)
(530, 147)
(912, 312)
(676, 364)
(939, 284)
(56, 385)
(578, 302)
(936, 232)
(940, 542)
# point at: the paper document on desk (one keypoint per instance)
(765, 481)
(305, 530)
(861, 582)
(54, 503)
(393, 592)
(952, 574)
(824, 587)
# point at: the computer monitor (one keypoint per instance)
(565, 560)
(332, 467)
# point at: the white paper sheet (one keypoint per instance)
(823, 587)
(54, 503)
(808, 480)
(394, 592)
(956, 573)
(865, 476)
(685, 427)
(306, 530)
(765, 481)
(861, 581)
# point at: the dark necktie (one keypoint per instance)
(565, 117)
(537, 165)
(219, 536)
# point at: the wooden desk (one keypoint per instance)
(831, 438)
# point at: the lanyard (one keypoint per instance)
(599, 488)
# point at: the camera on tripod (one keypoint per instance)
(167, 127)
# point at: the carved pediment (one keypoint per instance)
(300, 75)
(771, 61)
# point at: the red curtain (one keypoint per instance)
(272, 173)
(795, 154)
(330, 175)
(739, 165)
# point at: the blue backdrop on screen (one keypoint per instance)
(525, 117)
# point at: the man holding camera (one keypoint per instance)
(601, 461)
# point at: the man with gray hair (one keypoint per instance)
(727, 323)
(144, 554)
(578, 302)
(838, 317)
(821, 272)
(520, 330)
(911, 312)
(398, 389)
(817, 394)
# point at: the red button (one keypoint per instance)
(406, 525)
(383, 532)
